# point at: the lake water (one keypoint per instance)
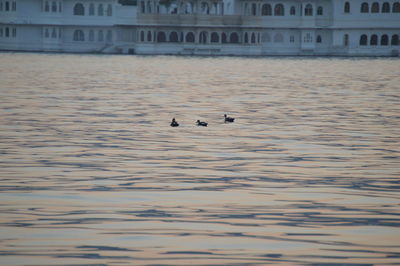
(91, 172)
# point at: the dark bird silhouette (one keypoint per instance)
(229, 119)
(200, 123)
(174, 123)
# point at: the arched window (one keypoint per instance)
(91, 9)
(91, 36)
(292, 11)
(363, 40)
(142, 36)
(149, 35)
(181, 37)
(7, 6)
(161, 37)
(79, 10)
(100, 10)
(79, 36)
(278, 38)
(320, 11)
(266, 10)
(319, 39)
(214, 37)
(253, 38)
(308, 11)
(374, 40)
(100, 36)
(234, 38)
(279, 10)
(246, 38)
(386, 7)
(346, 40)
(54, 6)
(109, 36)
(223, 38)
(395, 40)
(364, 8)
(204, 8)
(189, 37)
(173, 36)
(254, 9)
(375, 8)
(109, 10)
(347, 7)
(265, 37)
(203, 37)
(384, 40)
(396, 7)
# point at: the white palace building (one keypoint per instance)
(203, 27)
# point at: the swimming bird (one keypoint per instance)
(200, 123)
(174, 123)
(228, 119)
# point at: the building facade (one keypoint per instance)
(203, 27)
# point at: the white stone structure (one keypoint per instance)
(203, 27)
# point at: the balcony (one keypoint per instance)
(190, 20)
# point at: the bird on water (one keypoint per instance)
(174, 123)
(229, 119)
(201, 123)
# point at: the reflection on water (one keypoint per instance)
(92, 173)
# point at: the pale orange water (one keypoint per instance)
(91, 172)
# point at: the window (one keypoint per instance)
(384, 40)
(307, 38)
(1, 5)
(319, 39)
(223, 38)
(60, 7)
(79, 36)
(246, 38)
(396, 7)
(54, 6)
(374, 40)
(266, 10)
(46, 7)
(308, 11)
(14, 32)
(100, 36)
(91, 35)
(109, 36)
(292, 11)
(7, 7)
(149, 35)
(161, 37)
(254, 9)
(253, 38)
(278, 38)
(320, 11)
(375, 8)
(291, 38)
(279, 10)
(346, 40)
(14, 6)
(189, 37)
(149, 7)
(234, 38)
(203, 37)
(109, 10)
(173, 36)
(395, 40)
(364, 8)
(91, 9)
(7, 31)
(347, 7)
(204, 8)
(265, 37)
(386, 7)
(46, 33)
(100, 10)
(142, 36)
(214, 37)
(1, 32)
(363, 39)
(79, 10)
(54, 33)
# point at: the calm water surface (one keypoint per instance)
(91, 172)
